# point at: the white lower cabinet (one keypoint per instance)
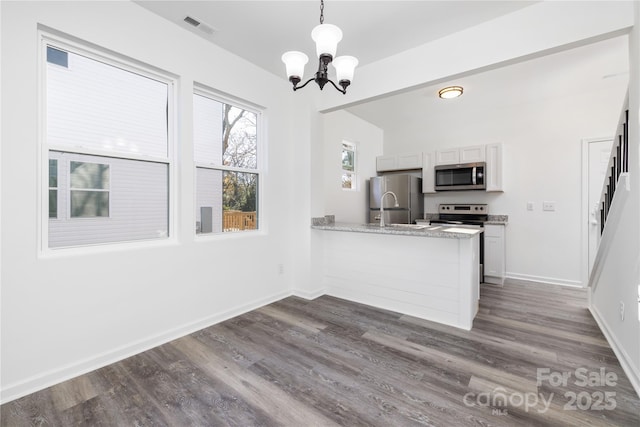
(494, 254)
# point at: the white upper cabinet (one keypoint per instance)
(399, 162)
(428, 173)
(454, 156)
(386, 163)
(448, 157)
(493, 171)
(410, 161)
(472, 154)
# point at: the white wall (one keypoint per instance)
(620, 276)
(349, 206)
(541, 133)
(62, 315)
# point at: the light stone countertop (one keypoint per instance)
(401, 230)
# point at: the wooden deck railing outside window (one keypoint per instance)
(237, 220)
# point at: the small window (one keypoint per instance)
(89, 190)
(348, 166)
(53, 188)
(58, 57)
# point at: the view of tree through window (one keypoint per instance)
(225, 151)
(239, 149)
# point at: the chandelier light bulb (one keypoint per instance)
(345, 67)
(295, 62)
(326, 37)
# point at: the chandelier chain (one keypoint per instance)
(321, 11)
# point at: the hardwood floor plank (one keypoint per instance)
(488, 341)
(260, 393)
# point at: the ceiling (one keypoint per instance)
(260, 31)
(597, 66)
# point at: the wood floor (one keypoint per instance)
(332, 362)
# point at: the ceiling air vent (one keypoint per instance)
(191, 21)
(207, 29)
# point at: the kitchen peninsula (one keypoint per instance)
(430, 272)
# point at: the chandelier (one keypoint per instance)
(326, 37)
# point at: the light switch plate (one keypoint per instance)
(529, 206)
(549, 206)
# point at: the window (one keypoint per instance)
(348, 165)
(53, 188)
(108, 148)
(227, 173)
(89, 189)
(57, 56)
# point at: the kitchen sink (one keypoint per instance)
(413, 226)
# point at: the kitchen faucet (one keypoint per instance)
(382, 208)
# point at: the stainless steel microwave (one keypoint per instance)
(466, 176)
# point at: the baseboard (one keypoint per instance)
(625, 361)
(547, 280)
(308, 294)
(47, 379)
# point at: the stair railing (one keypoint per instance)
(618, 165)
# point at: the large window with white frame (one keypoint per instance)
(107, 148)
(226, 144)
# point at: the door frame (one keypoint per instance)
(584, 210)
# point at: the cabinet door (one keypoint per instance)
(410, 161)
(448, 157)
(428, 173)
(472, 154)
(386, 163)
(493, 171)
(494, 254)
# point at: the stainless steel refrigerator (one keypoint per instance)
(408, 190)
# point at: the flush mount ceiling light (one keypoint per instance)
(326, 37)
(450, 92)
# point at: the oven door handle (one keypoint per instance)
(473, 176)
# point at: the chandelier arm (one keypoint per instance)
(343, 91)
(296, 87)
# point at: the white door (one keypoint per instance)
(599, 153)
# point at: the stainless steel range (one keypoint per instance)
(466, 215)
(462, 214)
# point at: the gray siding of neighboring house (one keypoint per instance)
(138, 203)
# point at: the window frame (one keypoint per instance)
(261, 146)
(354, 172)
(86, 49)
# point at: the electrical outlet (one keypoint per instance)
(549, 206)
(529, 206)
(621, 310)
(280, 268)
